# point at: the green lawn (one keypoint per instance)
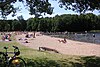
(35, 58)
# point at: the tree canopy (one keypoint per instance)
(37, 7)
(59, 23)
(80, 5)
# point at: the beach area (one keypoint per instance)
(71, 47)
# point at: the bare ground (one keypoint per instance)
(69, 48)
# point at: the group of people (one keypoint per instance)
(29, 35)
(6, 37)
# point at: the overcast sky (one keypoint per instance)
(57, 10)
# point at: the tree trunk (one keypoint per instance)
(34, 34)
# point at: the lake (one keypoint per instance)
(91, 37)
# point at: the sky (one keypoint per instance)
(57, 11)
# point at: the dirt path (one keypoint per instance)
(69, 48)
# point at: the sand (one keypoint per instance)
(69, 48)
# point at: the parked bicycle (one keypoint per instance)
(14, 61)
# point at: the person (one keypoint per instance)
(93, 38)
(26, 42)
(63, 41)
(27, 36)
(8, 37)
(94, 35)
(3, 37)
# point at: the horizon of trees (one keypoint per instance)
(59, 23)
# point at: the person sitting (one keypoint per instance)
(27, 36)
(26, 42)
(20, 39)
(3, 38)
(63, 41)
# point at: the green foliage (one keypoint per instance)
(7, 27)
(22, 22)
(35, 24)
(7, 7)
(43, 25)
(65, 22)
(37, 7)
(89, 61)
(41, 62)
(16, 25)
(29, 24)
(80, 6)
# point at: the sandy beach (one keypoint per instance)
(70, 47)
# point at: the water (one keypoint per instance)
(83, 37)
(88, 37)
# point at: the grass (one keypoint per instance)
(95, 31)
(35, 58)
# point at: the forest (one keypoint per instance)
(59, 23)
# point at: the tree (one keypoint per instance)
(23, 22)
(43, 25)
(16, 26)
(6, 8)
(65, 22)
(35, 24)
(98, 23)
(80, 5)
(37, 7)
(7, 27)
(91, 19)
(29, 24)
(49, 24)
(2, 25)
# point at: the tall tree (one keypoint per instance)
(43, 25)
(16, 26)
(23, 22)
(7, 27)
(29, 24)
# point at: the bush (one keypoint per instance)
(81, 62)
